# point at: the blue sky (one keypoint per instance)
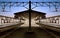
(18, 9)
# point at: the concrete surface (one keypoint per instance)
(38, 33)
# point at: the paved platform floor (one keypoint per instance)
(37, 33)
(52, 24)
(7, 24)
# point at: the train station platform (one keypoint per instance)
(38, 33)
(8, 26)
(51, 26)
(15, 32)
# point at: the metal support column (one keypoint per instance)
(29, 16)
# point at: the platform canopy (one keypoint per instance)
(33, 14)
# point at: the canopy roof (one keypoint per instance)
(26, 11)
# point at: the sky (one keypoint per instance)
(12, 10)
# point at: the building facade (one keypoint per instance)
(53, 19)
(6, 19)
